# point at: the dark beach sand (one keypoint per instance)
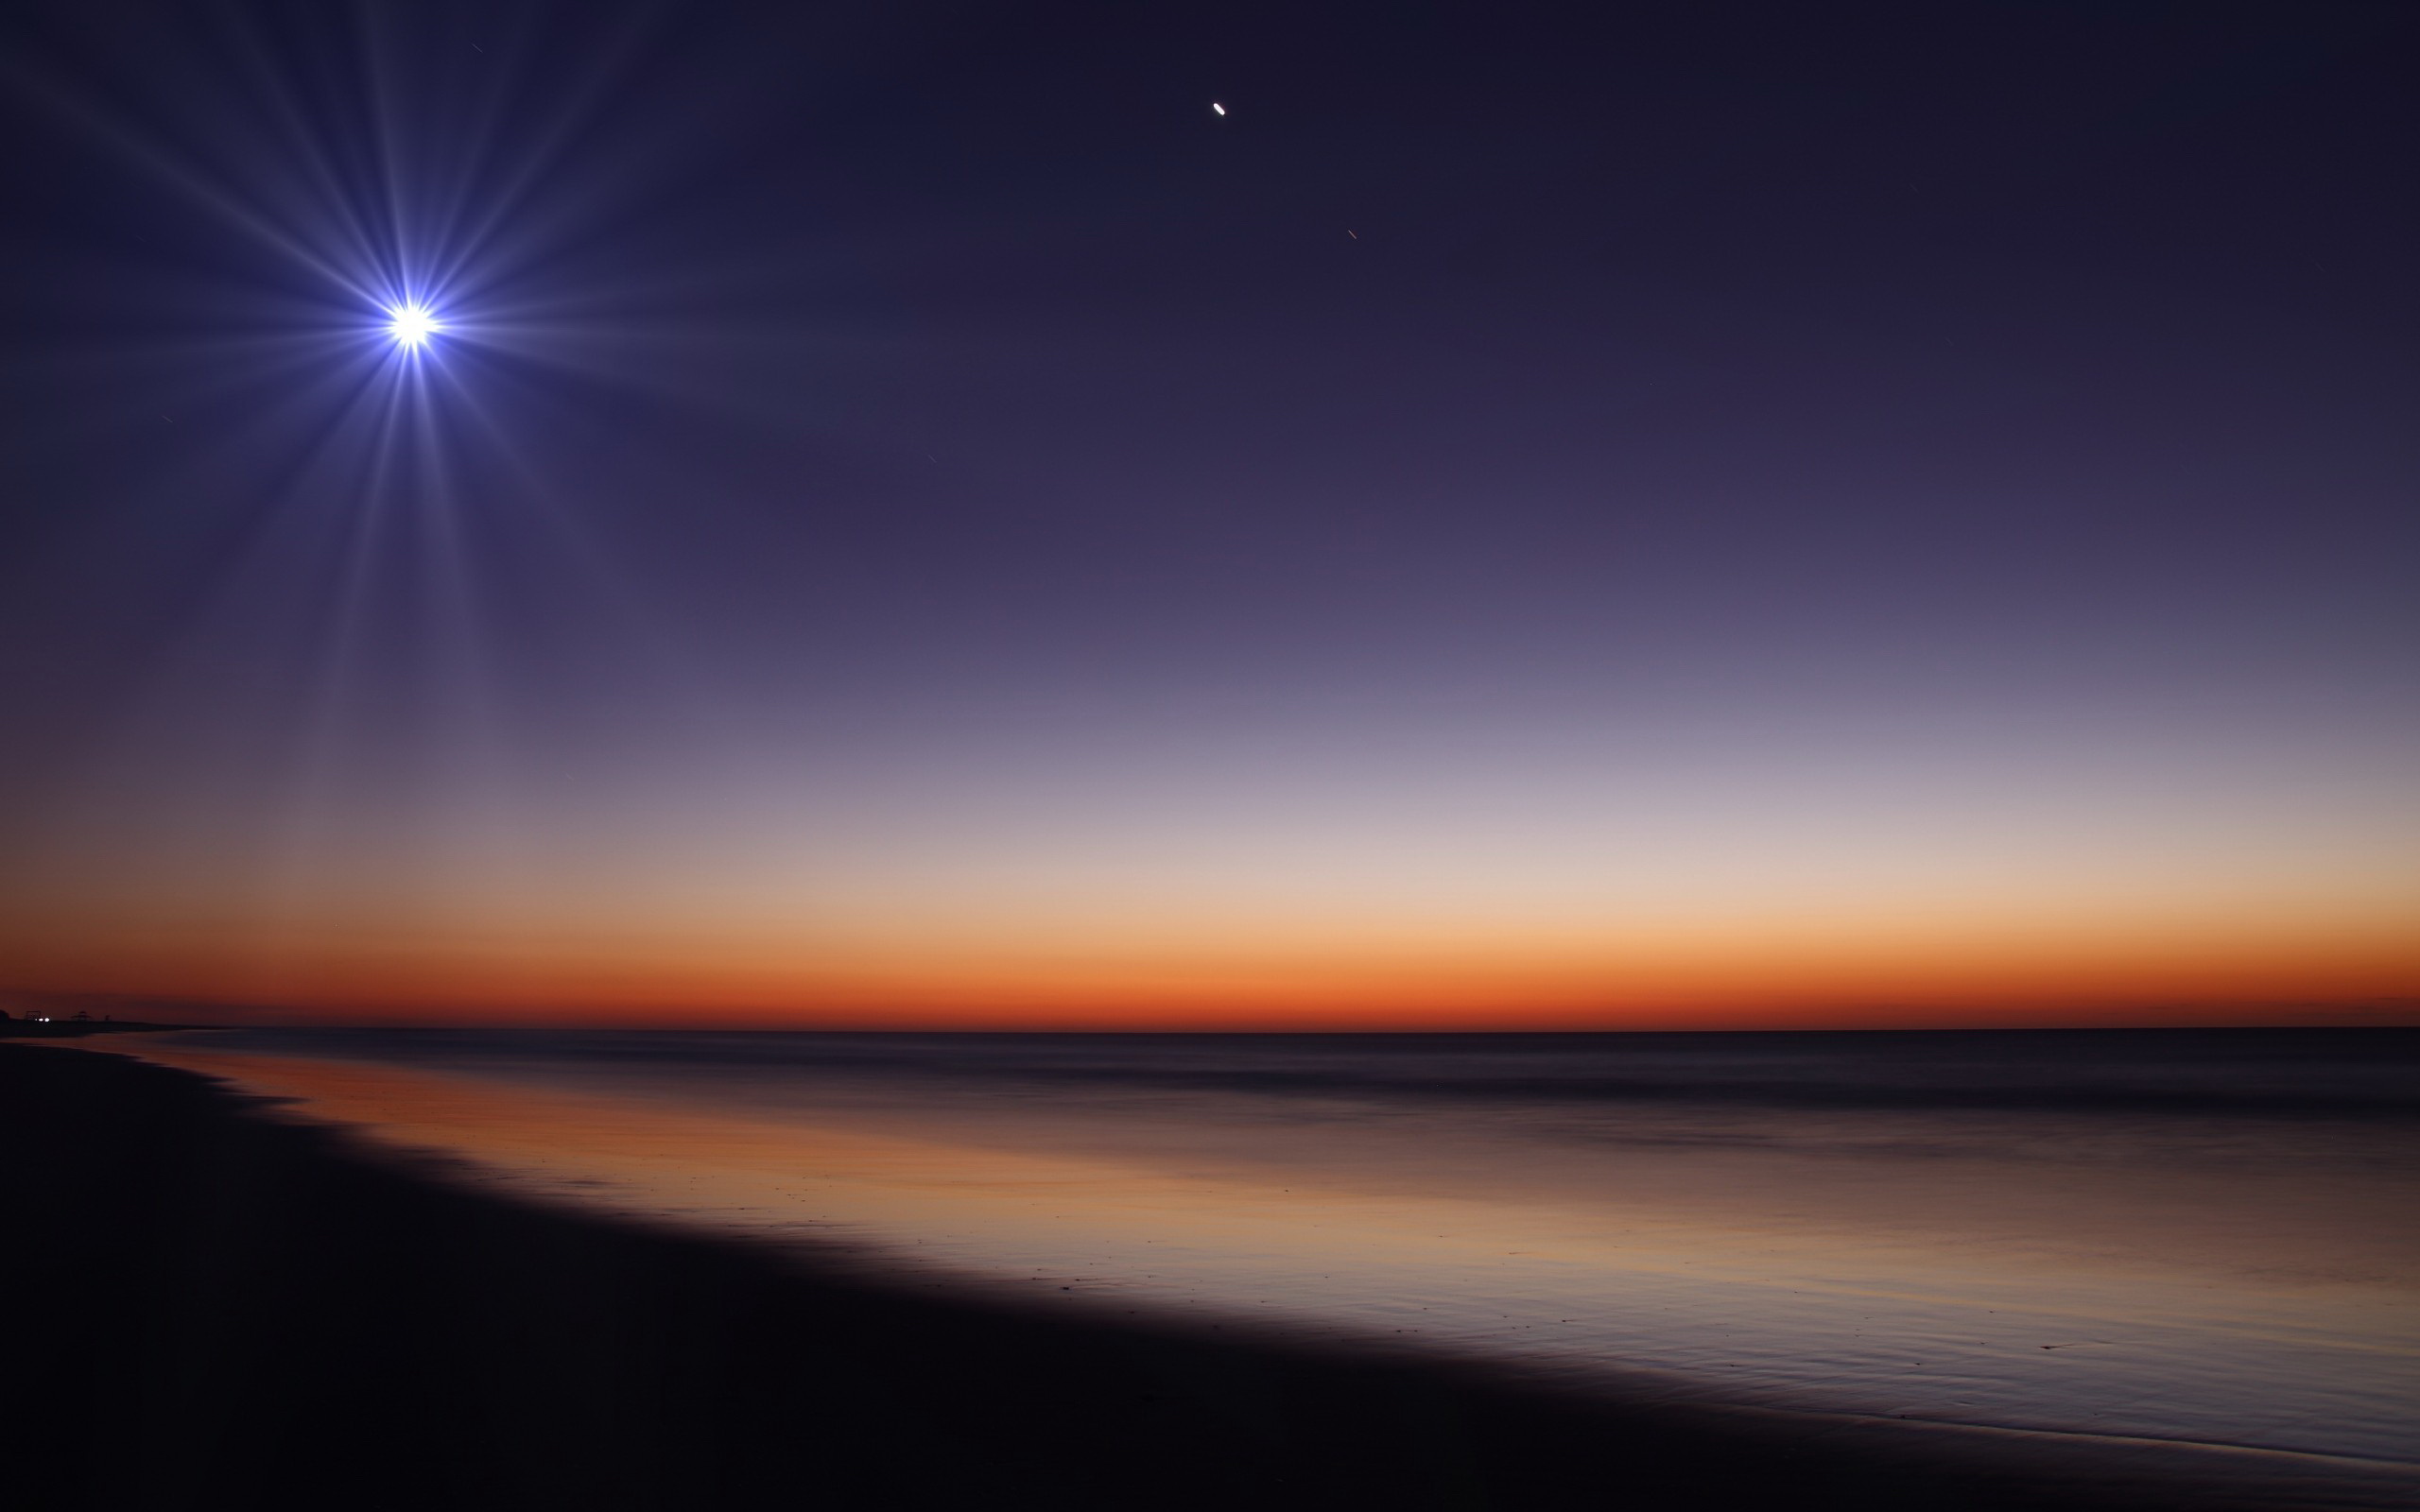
(210, 1304)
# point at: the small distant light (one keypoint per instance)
(1215, 106)
(411, 325)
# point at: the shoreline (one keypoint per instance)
(221, 1302)
(84, 1028)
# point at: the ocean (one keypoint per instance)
(2208, 1240)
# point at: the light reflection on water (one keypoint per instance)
(2148, 1259)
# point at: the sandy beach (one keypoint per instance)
(217, 1302)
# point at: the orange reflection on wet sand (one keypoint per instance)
(1959, 1283)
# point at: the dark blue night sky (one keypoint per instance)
(1537, 514)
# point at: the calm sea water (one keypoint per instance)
(2210, 1237)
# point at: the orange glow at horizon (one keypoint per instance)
(1838, 892)
(1843, 971)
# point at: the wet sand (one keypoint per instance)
(210, 1304)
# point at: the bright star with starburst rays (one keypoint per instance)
(411, 325)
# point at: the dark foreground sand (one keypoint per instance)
(209, 1305)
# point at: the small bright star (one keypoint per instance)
(1215, 106)
(411, 325)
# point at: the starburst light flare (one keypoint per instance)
(411, 325)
